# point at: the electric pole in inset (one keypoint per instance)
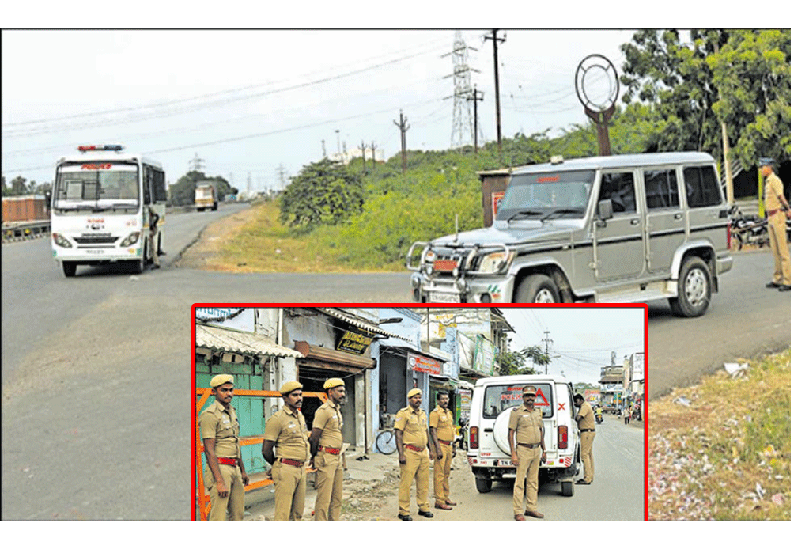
(403, 126)
(547, 341)
(496, 80)
(476, 96)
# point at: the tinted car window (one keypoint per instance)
(499, 398)
(702, 187)
(661, 189)
(618, 187)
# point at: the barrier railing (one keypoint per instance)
(203, 394)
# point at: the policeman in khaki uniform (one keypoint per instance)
(528, 451)
(585, 419)
(442, 430)
(326, 447)
(413, 440)
(777, 209)
(286, 432)
(224, 474)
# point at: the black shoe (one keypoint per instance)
(582, 482)
(427, 514)
(773, 285)
(162, 253)
(784, 288)
(405, 518)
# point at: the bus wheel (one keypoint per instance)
(69, 268)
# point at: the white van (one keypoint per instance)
(489, 450)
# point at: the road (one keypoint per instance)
(96, 368)
(616, 494)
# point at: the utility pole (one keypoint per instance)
(363, 156)
(196, 164)
(475, 97)
(325, 155)
(496, 81)
(403, 126)
(461, 74)
(547, 341)
(282, 173)
(373, 157)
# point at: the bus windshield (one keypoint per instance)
(563, 193)
(96, 187)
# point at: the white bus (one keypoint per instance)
(102, 201)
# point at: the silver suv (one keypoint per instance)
(630, 228)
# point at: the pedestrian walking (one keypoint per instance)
(413, 443)
(525, 433)
(286, 448)
(627, 414)
(442, 432)
(777, 210)
(326, 447)
(585, 419)
(224, 475)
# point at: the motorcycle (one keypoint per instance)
(748, 230)
(599, 418)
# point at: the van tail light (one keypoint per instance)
(730, 236)
(474, 437)
(562, 437)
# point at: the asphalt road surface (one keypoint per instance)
(96, 397)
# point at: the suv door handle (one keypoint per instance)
(634, 221)
(677, 216)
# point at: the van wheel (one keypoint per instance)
(69, 268)
(566, 488)
(483, 484)
(538, 289)
(694, 289)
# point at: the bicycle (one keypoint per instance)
(385, 441)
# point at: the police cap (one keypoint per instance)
(414, 391)
(289, 387)
(530, 390)
(333, 382)
(766, 162)
(219, 380)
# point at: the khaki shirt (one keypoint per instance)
(289, 432)
(772, 189)
(527, 424)
(221, 424)
(413, 424)
(329, 419)
(587, 420)
(441, 419)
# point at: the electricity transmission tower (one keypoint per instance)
(196, 164)
(461, 75)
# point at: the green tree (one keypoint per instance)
(516, 363)
(322, 193)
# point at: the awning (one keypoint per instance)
(240, 342)
(358, 322)
(325, 358)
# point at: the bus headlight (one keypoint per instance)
(495, 262)
(131, 239)
(60, 240)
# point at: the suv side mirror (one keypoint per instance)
(605, 209)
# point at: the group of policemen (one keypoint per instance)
(288, 447)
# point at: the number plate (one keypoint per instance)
(440, 297)
(95, 251)
(505, 463)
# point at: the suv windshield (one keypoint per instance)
(96, 186)
(558, 194)
(499, 398)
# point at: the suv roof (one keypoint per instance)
(623, 160)
(517, 379)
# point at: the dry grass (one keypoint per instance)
(722, 450)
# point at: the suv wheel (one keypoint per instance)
(694, 289)
(538, 289)
(483, 484)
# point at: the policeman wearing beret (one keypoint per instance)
(224, 474)
(777, 210)
(326, 446)
(286, 447)
(528, 451)
(413, 442)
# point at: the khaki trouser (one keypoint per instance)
(441, 468)
(526, 474)
(586, 440)
(780, 249)
(417, 466)
(234, 501)
(290, 491)
(330, 472)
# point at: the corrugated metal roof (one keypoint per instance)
(358, 322)
(240, 342)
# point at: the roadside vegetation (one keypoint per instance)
(721, 450)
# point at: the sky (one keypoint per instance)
(255, 106)
(584, 338)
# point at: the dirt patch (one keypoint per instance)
(206, 253)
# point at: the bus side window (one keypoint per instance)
(147, 183)
(159, 191)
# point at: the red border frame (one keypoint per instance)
(193, 307)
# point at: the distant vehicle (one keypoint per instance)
(101, 201)
(206, 197)
(489, 450)
(631, 228)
